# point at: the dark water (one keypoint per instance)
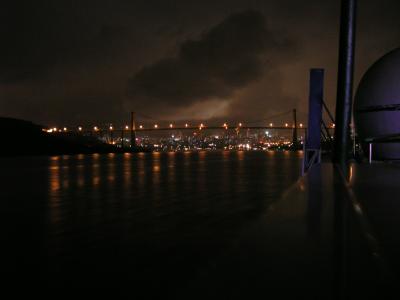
(149, 221)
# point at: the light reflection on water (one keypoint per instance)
(165, 178)
(122, 209)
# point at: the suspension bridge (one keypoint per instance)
(144, 124)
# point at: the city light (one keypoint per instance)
(269, 140)
(333, 125)
(55, 129)
(203, 141)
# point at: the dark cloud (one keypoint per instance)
(71, 61)
(224, 59)
(38, 36)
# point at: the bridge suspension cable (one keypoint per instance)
(269, 118)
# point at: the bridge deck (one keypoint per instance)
(100, 130)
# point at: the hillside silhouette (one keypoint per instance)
(20, 137)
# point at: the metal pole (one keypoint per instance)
(133, 130)
(370, 153)
(353, 132)
(345, 80)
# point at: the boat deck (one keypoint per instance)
(331, 236)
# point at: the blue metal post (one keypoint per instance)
(312, 150)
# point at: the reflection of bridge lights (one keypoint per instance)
(155, 126)
(171, 125)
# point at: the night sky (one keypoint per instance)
(80, 62)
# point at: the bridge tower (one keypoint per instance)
(133, 130)
(294, 140)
